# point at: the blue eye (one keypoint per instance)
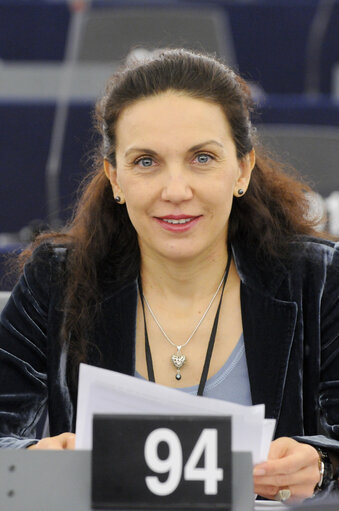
(203, 158)
(144, 162)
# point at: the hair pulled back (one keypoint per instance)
(104, 246)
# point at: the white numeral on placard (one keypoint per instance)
(172, 464)
(206, 445)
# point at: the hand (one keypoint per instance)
(60, 442)
(290, 465)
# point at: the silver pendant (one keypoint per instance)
(178, 360)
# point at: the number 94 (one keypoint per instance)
(206, 444)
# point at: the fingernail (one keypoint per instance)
(259, 471)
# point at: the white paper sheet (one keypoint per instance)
(269, 505)
(108, 392)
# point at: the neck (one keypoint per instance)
(184, 281)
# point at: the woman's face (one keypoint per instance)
(177, 171)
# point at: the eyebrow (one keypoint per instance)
(192, 149)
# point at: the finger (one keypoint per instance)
(307, 477)
(269, 492)
(70, 443)
(301, 456)
(298, 493)
(287, 465)
(280, 447)
(65, 440)
(58, 443)
(33, 446)
(48, 444)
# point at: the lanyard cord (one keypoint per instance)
(210, 346)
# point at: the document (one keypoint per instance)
(269, 505)
(107, 392)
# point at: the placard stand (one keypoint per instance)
(55, 480)
(170, 462)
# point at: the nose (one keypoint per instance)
(176, 187)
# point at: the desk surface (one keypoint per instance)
(61, 480)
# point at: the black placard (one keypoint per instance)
(129, 451)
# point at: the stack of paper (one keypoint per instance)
(107, 392)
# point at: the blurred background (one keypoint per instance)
(55, 56)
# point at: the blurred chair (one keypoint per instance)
(312, 150)
(110, 33)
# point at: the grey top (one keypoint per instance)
(231, 382)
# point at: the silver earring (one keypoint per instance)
(241, 191)
(117, 198)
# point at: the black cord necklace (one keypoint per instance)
(210, 346)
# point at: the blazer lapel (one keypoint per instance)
(268, 342)
(268, 325)
(115, 332)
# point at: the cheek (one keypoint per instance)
(140, 192)
(136, 200)
(221, 200)
(133, 209)
(221, 192)
(131, 183)
(138, 204)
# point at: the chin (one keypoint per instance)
(181, 255)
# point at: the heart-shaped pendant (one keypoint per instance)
(178, 360)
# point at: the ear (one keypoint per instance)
(246, 165)
(111, 174)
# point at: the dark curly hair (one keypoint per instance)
(103, 242)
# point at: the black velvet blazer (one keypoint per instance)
(291, 332)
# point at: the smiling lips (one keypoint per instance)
(177, 223)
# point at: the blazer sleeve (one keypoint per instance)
(23, 349)
(329, 385)
(329, 376)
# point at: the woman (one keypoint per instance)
(191, 253)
